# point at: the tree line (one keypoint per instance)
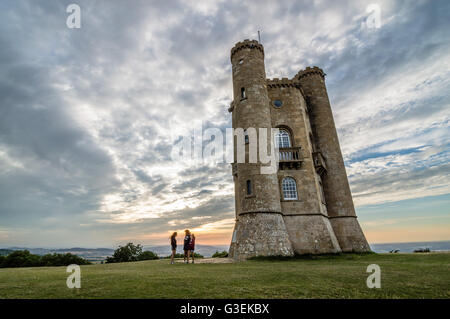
(23, 258)
(127, 253)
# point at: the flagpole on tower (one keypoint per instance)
(259, 36)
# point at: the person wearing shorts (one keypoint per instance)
(192, 246)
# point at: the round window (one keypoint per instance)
(278, 103)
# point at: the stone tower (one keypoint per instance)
(306, 205)
(259, 215)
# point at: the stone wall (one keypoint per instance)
(349, 234)
(311, 234)
(260, 234)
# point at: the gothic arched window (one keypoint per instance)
(289, 188)
(283, 139)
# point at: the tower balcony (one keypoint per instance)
(290, 157)
(319, 163)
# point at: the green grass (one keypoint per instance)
(341, 276)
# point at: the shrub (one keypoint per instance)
(129, 252)
(178, 255)
(223, 254)
(23, 258)
(148, 255)
(62, 260)
(422, 250)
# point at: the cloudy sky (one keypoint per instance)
(88, 116)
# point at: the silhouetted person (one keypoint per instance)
(173, 244)
(192, 247)
(187, 241)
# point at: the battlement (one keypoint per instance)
(283, 82)
(309, 71)
(247, 44)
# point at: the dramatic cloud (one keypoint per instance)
(89, 117)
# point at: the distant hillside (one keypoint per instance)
(204, 250)
(91, 254)
(410, 247)
(99, 254)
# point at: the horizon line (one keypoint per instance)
(43, 247)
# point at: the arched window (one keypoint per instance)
(283, 139)
(289, 188)
(249, 187)
(243, 95)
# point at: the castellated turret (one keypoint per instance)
(260, 228)
(305, 205)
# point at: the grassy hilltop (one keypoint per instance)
(341, 276)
